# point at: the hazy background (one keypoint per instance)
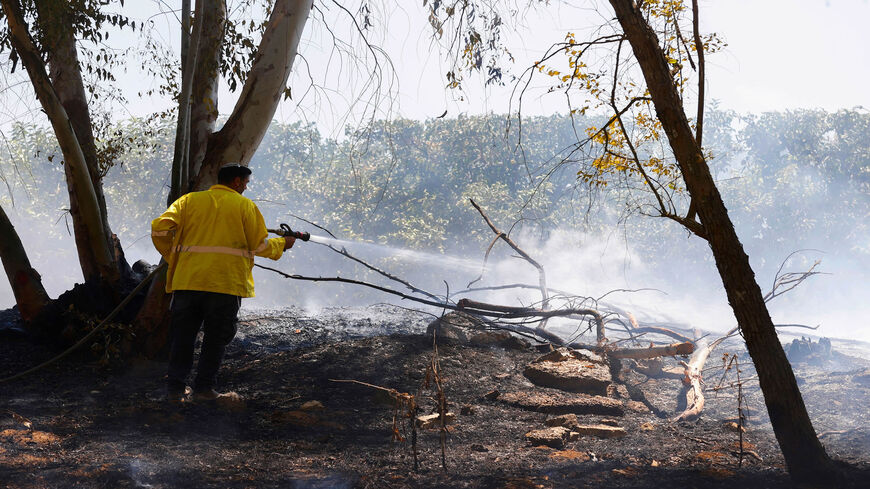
(781, 56)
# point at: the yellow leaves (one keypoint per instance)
(569, 38)
(664, 9)
(611, 163)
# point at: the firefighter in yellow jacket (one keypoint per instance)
(209, 239)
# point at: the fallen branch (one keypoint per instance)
(508, 312)
(636, 328)
(499, 312)
(343, 252)
(665, 332)
(635, 331)
(511, 312)
(783, 282)
(692, 379)
(685, 348)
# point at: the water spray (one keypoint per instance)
(399, 253)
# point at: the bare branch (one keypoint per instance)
(542, 277)
(699, 48)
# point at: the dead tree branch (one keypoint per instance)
(663, 331)
(508, 312)
(784, 282)
(542, 277)
(692, 379)
(635, 329)
(673, 349)
(343, 252)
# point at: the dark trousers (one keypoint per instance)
(191, 310)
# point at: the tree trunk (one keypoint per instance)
(240, 136)
(152, 322)
(66, 78)
(182, 129)
(264, 88)
(204, 110)
(30, 296)
(805, 456)
(94, 240)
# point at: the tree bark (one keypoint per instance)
(30, 295)
(66, 78)
(152, 322)
(204, 108)
(241, 135)
(804, 454)
(181, 154)
(673, 349)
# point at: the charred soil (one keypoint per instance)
(79, 424)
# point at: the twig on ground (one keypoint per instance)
(405, 407)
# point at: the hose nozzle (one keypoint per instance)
(285, 231)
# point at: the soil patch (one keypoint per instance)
(297, 427)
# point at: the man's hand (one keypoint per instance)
(288, 242)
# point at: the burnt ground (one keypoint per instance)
(93, 426)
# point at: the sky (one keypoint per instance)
(780, 55)
(789, 54)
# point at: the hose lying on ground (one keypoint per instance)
(94, 331)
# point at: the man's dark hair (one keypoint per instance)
(230, 171)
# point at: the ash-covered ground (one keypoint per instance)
(302, 424)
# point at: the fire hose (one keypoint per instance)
(94, 331)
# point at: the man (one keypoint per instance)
(209, 240)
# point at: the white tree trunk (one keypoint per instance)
(264, 88)
(204, 109)
(79, 178)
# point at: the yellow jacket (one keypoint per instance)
(209, 239)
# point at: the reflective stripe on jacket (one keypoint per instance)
(210, 238)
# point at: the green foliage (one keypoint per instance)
(474, 38)
(91, 22)
(810, 175)
(791, 180)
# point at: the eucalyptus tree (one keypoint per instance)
(51, 61)
(47, 38)
(645, 70)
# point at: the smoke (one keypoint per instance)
(682, 289)
(139, 471)
(647, 266)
